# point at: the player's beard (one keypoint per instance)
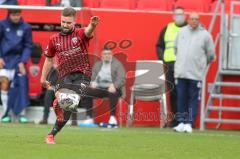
(65, 31)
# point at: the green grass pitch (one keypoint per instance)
(27, 142)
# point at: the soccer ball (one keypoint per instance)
(68, 101)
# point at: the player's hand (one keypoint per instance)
(94, 20)
(111, 89)
(45, 83)
(2, 63)
(22, 68)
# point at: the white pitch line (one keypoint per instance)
(194, 133)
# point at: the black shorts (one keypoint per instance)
(74, 78)
(73, 81)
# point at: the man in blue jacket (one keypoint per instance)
(15, 50)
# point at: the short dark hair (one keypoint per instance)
(12, 11)
(106, 48)
(69, 12)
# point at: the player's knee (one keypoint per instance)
(4, 83)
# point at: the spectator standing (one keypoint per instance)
(165, 52)
(194, 48)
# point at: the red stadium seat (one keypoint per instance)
(91, 3)
(191, 5)
(22, 2)
(207, 4)
(118, 4)
(170, 4)
(213, 6)
(36, 2)
(55, 2)
(152, 5)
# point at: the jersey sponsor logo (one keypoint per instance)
(72, 51)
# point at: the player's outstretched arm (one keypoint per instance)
(89, 30)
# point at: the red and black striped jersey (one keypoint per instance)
(71, 52)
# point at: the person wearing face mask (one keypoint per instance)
(165, 52)
(194, 49)
(107, 75)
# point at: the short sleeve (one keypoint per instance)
(82, 34)
(50, 51)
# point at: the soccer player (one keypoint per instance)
(70, 47)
